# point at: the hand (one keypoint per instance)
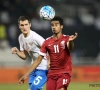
(72, 37)
(14, 50)
(22, 79)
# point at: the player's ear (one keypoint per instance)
(30, 24)
(61, 26)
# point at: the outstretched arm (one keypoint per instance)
(70, 43)
(32, 68)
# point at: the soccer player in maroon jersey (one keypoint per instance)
(58, 46)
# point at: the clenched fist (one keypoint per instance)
(14, 50)
(72, 37)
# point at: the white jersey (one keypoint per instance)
(32, 45)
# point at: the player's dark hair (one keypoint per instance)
(57, 18)
(23, 18)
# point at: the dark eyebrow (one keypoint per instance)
(23, 24)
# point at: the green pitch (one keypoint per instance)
(72, 86)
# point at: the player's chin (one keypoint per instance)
(55, 32)
(25, 32)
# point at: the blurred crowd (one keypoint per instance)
(82, 16)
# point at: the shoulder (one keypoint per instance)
(65, 36)
(36, 35)
(49, 38)
(20, 36)
(33, 32)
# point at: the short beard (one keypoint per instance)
(55, 33)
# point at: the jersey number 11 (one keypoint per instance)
(56, 48)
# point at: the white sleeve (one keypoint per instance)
(39, 40)
(20, 43)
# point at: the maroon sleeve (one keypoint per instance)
(43, 48)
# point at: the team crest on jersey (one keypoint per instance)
(31, 43)
(62, 44)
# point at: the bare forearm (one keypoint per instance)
(70, 45)
(34, 65)
(22, 55)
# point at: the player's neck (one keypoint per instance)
(57, 36)
(27, 34)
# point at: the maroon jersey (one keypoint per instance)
(60, 59)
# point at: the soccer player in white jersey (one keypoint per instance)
(31, 42)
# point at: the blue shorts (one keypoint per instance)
(37, 79)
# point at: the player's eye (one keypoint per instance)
(56, 24)
(21, 25)
(26, 24)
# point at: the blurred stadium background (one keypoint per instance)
(82, 16)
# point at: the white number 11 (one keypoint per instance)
(56, 48)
